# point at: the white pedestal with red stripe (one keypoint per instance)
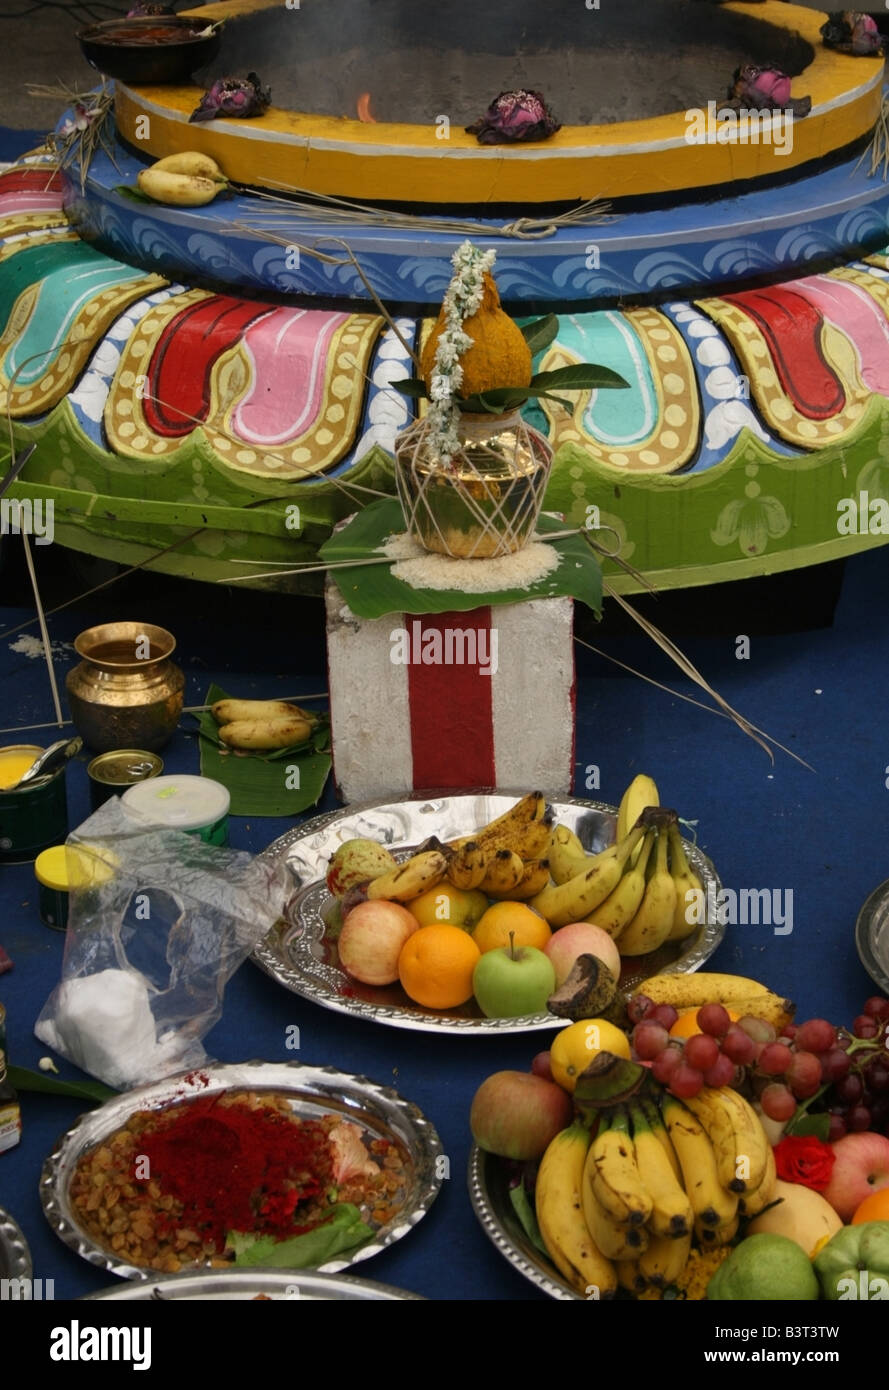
(460, 701)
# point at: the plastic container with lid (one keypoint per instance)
(182, 801)
(61, 868)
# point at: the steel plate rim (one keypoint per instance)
(267, 954)
(863, 928)
(549, 1282)
(260, 1280)
(258, 1075)
(15, 1253)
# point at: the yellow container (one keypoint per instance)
(61, 868)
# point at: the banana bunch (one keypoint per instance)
(644, 904)
(253, 725)
(506, 858)
(186, 180)
(624, 1206)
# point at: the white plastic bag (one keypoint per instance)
(157, 924)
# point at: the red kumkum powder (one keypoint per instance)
(237, 1169)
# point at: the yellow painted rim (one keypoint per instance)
(324, 154)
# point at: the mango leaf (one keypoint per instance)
(807, 1126)
(495, 401)
(410, 386)
(548, 396)
(540, 333)
(583, 376)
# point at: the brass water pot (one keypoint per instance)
(126, 692)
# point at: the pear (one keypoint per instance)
(356, 862)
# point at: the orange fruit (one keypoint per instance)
(436, 964)
(686, 1025)
(873, 1208)
(492, 930)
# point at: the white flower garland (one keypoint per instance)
(462, 299)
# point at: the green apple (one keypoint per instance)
(513, 981)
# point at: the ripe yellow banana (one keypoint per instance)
(417, 875)
(191, 162)
(530, 841)
(739, 1140)
(614, 1173)
(534, 879)
(573, 901)
(226, 711)
(711, 1204)
(656, 1124)
(703, 987)
(653, 920)
(529, 808)
(671, 1213)
(283, 731)
(723, 1234)
(468, 866)
(686, 881)
(665, 1259)
(615, 1239)
(567, 856)
(560, 1215)
(504, 872)
(752, 1203)
(629, 1276)
(622, 903)
(641, 792)
(178, 190)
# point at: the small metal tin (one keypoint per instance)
(32, 817)
(112, 773)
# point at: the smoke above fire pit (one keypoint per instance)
(420, 61)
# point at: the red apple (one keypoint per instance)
(581, 939)
(542, 1066)
(515, 1114)
(371, 940)
(861, 1168)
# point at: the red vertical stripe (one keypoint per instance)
(452, 723)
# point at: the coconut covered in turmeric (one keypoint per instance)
(499, 355)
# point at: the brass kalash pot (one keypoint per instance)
(483, 503)
(126, 692)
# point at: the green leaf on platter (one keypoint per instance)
(344, 1231)
(808, 1126)
(24, 1080)
(540, 333)
(583, 376)
(372, 591)
(135, 195)
(410, 386)
(524, 1210)
(257, 781)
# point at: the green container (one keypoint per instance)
(194, 805)
(32, 818)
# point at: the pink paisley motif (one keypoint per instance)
(860, 318)
(289, 354)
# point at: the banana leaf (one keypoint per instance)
(372, 591)
(257, 782)
(22, 1079)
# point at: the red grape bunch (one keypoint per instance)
(847, 1072)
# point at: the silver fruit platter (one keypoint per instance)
(300, 950)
